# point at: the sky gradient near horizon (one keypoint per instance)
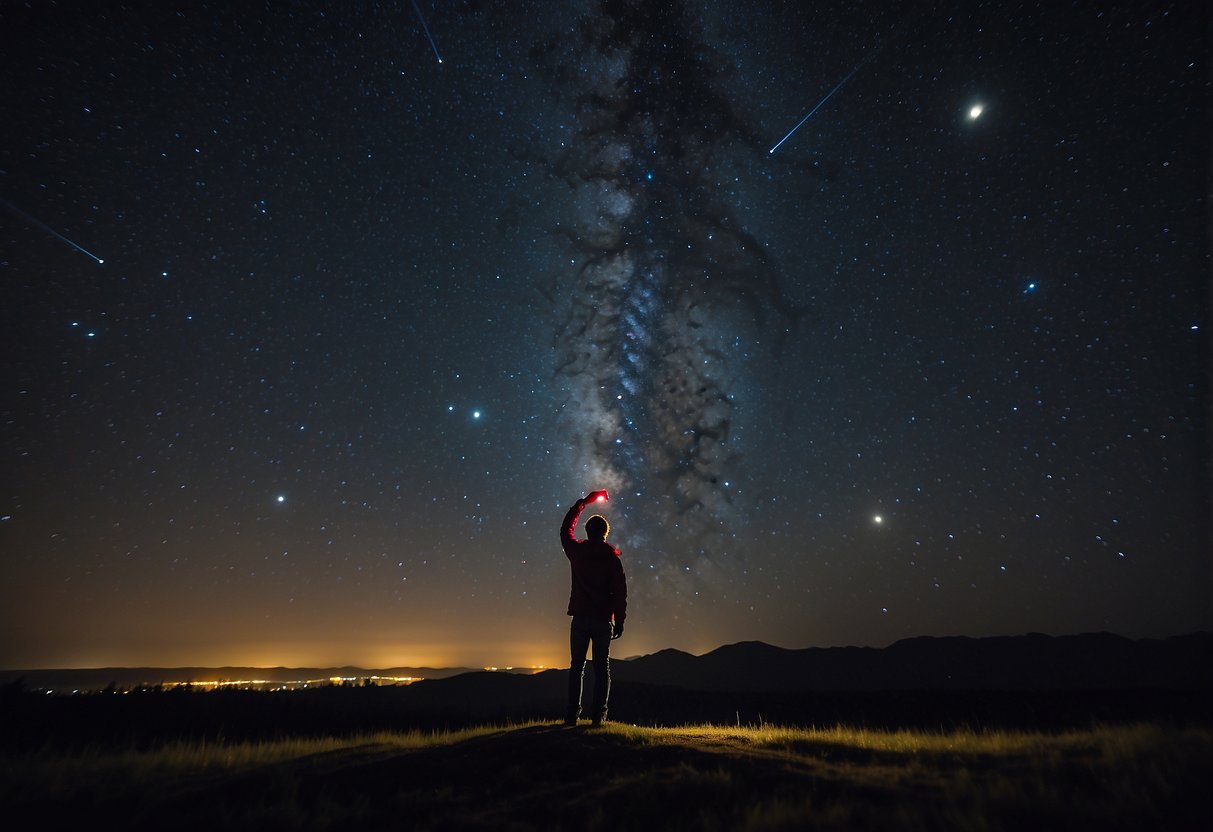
(368, 322)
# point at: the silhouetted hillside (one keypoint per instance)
(1033, 681)
(1097, 661)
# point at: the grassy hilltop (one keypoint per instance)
(544, 776)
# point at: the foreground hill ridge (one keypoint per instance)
(1033, 661)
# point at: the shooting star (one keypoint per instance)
(40, 224)
(871, 54)
(421, 17)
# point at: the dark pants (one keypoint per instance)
(582, 632)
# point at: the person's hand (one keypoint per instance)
(594, 497)
(618, 630)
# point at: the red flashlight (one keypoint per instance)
(598, 497)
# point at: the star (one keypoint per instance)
(975, 112)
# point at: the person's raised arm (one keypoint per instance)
(569, 524)
(567, 538)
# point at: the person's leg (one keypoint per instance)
(600, 634)
(579, 642)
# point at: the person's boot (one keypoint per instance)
(570, 718)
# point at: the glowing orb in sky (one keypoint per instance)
(975, 111)
(877, 519)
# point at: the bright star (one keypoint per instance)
(975, 112)
(878, 519)
(475, 414)
(281, 498)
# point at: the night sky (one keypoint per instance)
(368, 323)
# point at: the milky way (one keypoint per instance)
(666, 278)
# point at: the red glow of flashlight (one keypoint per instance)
(598, 497)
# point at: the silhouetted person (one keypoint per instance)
(598, 603)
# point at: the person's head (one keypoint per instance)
(597, 527)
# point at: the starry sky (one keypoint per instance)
(387, 286)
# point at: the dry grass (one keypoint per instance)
(542, 776)
(1116, 777)
(205, 756)
(1109, 741)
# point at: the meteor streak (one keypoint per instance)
(872, 54)
(421, 17)
(35, 221)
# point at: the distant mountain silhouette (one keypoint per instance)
(1094, 661)
(1033, 681)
